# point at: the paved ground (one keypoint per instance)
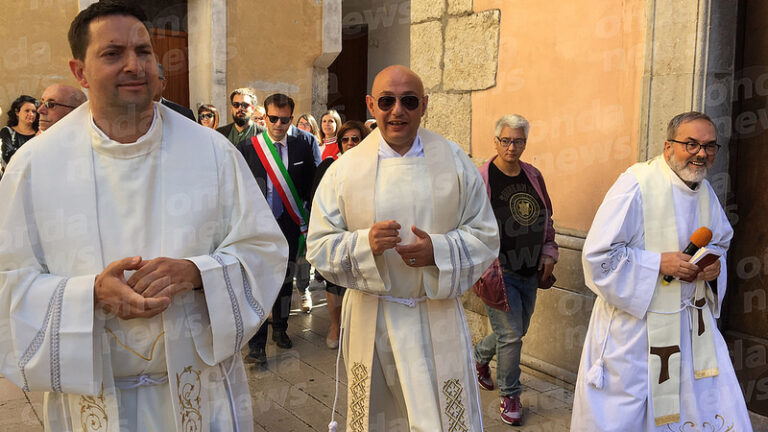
(295, 391)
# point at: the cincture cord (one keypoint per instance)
(333, 425)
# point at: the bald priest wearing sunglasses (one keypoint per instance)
(283, 163)
(404, 223)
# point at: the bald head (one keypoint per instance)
(397, 102)
(394, 74)
(64, 99)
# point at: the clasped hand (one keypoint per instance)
(147, 292)
(384, 235)
(676, 264)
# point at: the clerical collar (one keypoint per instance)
(386, 152)
(144, 145)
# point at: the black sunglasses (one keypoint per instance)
(206, 116)
(283, 120)
(244, 105)
(409, 102)
(354, 139)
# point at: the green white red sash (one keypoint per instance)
(282, 183)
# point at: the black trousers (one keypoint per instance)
(282, 307)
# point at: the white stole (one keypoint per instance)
(664, 312)
(64, 189)
(443, 175)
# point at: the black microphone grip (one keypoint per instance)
(689, 250)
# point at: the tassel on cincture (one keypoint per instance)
(333, 426)
(595, 374)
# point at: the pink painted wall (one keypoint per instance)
(574, 70)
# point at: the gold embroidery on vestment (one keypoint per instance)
(718, 425)
(188, 387)
(93, 413)
(359, 401)
(706, 373)
(454, 406)
(667, 419)
(131, 350)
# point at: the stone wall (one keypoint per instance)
(455, 51)
(278, 52)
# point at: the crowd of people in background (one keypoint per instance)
(29, 117)
(290, 155)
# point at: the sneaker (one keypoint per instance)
(511, 410)
(257, 357)
(306, 302)
(484, 376)
(281, 339)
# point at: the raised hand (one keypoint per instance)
(165, 277)
(419, 253)
(112, 293)
(676, 264)
(710, 272)
(383, 236)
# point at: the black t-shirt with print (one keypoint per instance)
(521, 217)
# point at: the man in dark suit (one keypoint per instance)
(186, 112)
(243, 103)
(296, 154)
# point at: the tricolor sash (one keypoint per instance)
(282, 184)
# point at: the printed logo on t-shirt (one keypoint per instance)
(524, 208)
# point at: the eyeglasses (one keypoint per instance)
(206, 116)
(243, 105)
(409, 102)
(283, 120)
(506, 142)
(52, 105)
(355, 139)
(693, 147)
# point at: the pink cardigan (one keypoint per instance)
(549, 247)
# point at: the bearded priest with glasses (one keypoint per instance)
(653, 358)
(404, 223)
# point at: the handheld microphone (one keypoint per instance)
(700, 238)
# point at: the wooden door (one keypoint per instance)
(171, 49)
(745, 316)
(348, 75)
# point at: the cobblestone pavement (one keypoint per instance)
(295, 391)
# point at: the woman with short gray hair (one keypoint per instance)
(527, 256)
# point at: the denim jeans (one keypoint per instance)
(508, 330)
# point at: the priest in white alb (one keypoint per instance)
(137, 253)
(403, 221)
(654, 359)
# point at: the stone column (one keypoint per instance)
(455, 51)
(207, 21)
(331, 48)
(689, 66)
